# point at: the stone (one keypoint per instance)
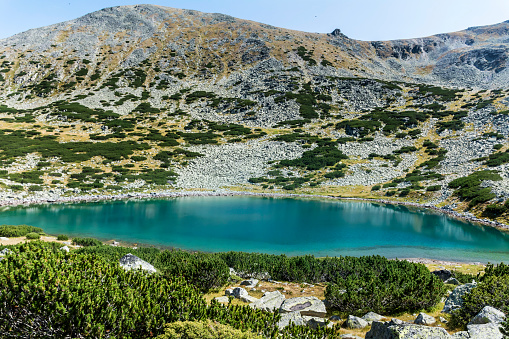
(294, 317)
(484, 331)
(355, 322)
(315, 322)
(129, 262)
(452, 281)
(239, 292)
(228, 292)
(442, 274)
(390, 330)
(488, 315)
(424, 319)
(5, 251)
(270, 301)
(4, 238)
(65, 248)
(372, 316)
(454, 300)
(310, 306)
(248, 299)
(443, 320)
(335, 318)
(232, 272)
(349, 336)
(223, 299)
(461, 335)
(250, 283)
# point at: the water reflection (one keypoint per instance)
(320, 227)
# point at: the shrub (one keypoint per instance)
(376, 188)
(11, 231)
(86, 242)
(203, 330)
(62, 237)
(492, 291)
(33, 236)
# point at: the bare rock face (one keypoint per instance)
(309, 306)
(390, 330)
(132, 262)
(488, 315)
(454, 300)
(270, 301)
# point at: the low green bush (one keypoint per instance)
(62, 237)
(14, 231)
(203, 330)
(33, 236)
(86, 242)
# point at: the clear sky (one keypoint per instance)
(358, 19)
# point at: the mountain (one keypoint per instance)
(145, 98)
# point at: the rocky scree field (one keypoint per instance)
(143, 99)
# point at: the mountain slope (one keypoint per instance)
(145, 98)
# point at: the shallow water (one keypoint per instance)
(272, 225)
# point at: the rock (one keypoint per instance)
(248, 299)
(461, 335)
(5, 251)
(223, 299)
(335, 318)
(228, 292)
(310, 306)
(250, 283)
(488, 315)
(270, 301)
(454, 300)
(390, 330)
(315, 322)
(233, 272)
(239, 292)
(4, 238)
(442, 274)
(397, 321)
(349, 336)
(372, 316)
(65, 248)
(424, 319)
(294, 317)
(443, 320)
(452, 281)
(130, 262)
(355, 322)
(484, 331)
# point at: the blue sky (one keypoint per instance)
(358, 19)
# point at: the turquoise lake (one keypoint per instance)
(272, 225)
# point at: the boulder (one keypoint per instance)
(454, 300)
(310, 306)
(452, 281)
(270, 301)
(372, 316)
(488, 315)
(248, 299)
(5, 251)
(250, 283)
(223, 299)
(239, 292)
(129, 262)
(232, 271)
(355, 322)
(335, 318)
(295, 317)
(460, 335)
(315, 322)
(65, 248)
(484, 331)
(228, 292)
(424, 319)
(390, 330)
(442, 274)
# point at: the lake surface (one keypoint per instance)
(272, 225)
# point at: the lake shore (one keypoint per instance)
(176, 194)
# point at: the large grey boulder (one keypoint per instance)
(248, 299)
(424, 319)
(250, 283)
(488, 315)
(131, 262)
(442, 274)
(372, 316)
(455, 300)
(294, 317)
(355, 322)
(484, 331)
(315, 322)
(270, 301)
(239, 292)
(310, 306)
(390, 330)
